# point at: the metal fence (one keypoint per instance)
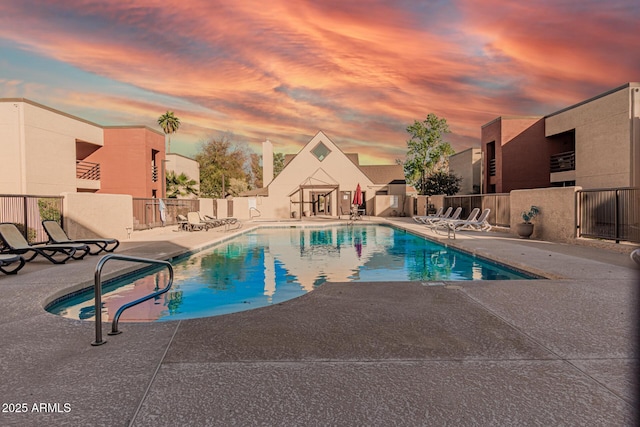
(498, 203)
(612, 214)
(27, 213)
(147, 213)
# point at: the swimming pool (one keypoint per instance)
(271, 265)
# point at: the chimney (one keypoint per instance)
(267, 163)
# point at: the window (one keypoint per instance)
(321, 151)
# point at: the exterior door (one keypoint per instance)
(345, 202)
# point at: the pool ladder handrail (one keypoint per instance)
(97, 287)
(251, 209)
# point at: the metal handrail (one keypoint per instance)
(97, 287)
(251, 209)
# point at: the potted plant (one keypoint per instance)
(525, 229)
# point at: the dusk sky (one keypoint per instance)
(360, 71)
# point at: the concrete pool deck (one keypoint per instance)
(562, 351)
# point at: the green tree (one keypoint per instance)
(427, 152)
(441, 182)
(169, 124)
(180, 185)
(278, 163)
(257, 170)
(219, 163)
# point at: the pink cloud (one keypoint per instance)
(360, 71)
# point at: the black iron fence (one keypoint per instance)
(498, 203)
(27, 213)
(151, 213)
(612, 214)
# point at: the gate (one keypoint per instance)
(612, 214)
(147, 213)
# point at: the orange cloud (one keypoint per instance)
(360, 71)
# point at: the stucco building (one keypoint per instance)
(47, 152)
(592, 144)
(321, 180)
(467, 165)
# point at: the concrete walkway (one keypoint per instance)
(562, 351)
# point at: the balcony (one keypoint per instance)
(87, 170)
(87, 176)
(563, 162)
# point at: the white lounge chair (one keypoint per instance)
(478, 224)
(444, 225)
(443, 215)
(432, 222)
(438, 214)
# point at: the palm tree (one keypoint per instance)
(169, 124)
(180, 185)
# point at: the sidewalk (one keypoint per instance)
(561, 351)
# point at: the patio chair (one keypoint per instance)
(183, 223)
(57, 235)
(194, 222)
(6, 260)
(431, 222)
(478, 224)
(444, 224)
(15, 243)
(211, 222)
(227, 222)
(419, 218)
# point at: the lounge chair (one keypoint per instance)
(432, 222)
(227, 222)
(477, 224)
(211, 222)
(419, 218)
(7, 260)
(15, 243)
(183, 223)
(57, 235)
(195, 223)
(444, 224)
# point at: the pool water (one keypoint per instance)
(272, 265)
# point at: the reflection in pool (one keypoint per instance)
(271, 265)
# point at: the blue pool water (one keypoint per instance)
(271, 265)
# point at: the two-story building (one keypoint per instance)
(592, 144)
(47, 152)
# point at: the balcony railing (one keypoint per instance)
(87, 170)
(154, 173)
(492, 167)
(563, 162)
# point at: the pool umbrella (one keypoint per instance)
(357, 197)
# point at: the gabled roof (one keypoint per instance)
(384, 174)
(378, 174)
